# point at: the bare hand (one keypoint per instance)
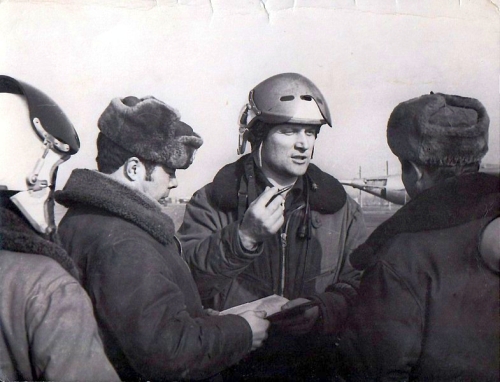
(263, 218)
(300, 324)
(259, 326)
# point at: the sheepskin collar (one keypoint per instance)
(451, 203)
(91, 188)
(17, 235)
(326, 194)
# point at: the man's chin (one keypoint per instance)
(302, 167)
(299, 170)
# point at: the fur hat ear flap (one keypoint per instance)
(182, 148)
(150, 129)
(439, 129)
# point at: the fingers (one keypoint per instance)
(275, 222)
(263, 217)
(259, 326)
(267, 196)
(261, 313)
(269, 199)
(258, 340)
(269, 205)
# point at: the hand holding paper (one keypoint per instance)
(259, 326)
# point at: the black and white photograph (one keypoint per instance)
(247, 190)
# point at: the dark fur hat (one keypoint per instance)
(150, 129)
(439, 129)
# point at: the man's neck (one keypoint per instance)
(119, 177)
(280, 183)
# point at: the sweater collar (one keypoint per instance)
(17, 235)
(326, 194)
(454, 202)
(91, 188)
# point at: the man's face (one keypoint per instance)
(286, 151)
(162, 181)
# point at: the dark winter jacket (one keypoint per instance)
(47, 327)
(428, 306)
(322, 226)
(147, 305)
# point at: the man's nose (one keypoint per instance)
(302, 141)
(173, 183)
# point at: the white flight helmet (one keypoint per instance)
(35, 138)
(283, 98)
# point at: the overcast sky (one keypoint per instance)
(203, 57)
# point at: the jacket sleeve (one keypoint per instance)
(340, 296)
(383, 340)
(211, 245)
(140, 303)
(65, 344)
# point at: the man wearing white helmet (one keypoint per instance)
(48, 331)
(272, 223)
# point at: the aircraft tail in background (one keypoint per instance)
(391, 188)
(388, 187)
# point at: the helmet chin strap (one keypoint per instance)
(259, 155)
(243, 130)
(35, 202)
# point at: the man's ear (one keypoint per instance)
(133, 168)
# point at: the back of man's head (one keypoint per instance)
(439, 130)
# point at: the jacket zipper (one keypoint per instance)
(283, 263)
(283, 237)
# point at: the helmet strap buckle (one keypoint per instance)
(54, 142)
(243, 130)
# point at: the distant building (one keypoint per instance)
(175, 200)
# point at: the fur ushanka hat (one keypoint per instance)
(150, 129)
(439, 129)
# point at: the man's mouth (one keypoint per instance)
(300, 159)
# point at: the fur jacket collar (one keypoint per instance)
(91, 188)
(17, 235)
(451, 203)
(326, 194)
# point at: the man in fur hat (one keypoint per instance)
(146, 302)
(274, 223)
(428, 301)
(47, 327)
